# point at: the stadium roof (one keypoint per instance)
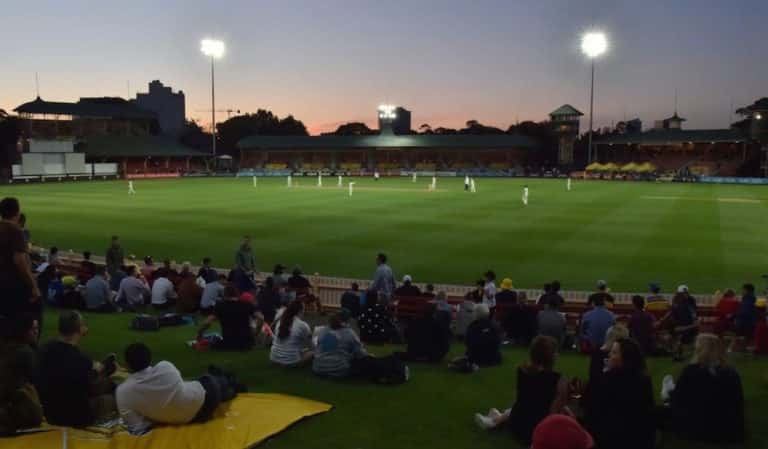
(138, 146)
(87, 107)
(458, 141)
(674, 136)
(566, 109)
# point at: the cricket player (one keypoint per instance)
(341, 181)
(434, 183)
(255, 181)
(414, 176)
(472, 185)
(466, 183)
(568, 184)
(131, 190)
(351, 188)
(376, 175)
(525, 195)
(290, 181)
(319, 179)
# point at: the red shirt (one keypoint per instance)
(727, 306)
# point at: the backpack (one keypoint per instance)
(143, 322)
(171, 319)
(390, 370)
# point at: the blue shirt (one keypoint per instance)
(97, 292)
(595, 324)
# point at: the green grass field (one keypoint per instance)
(433, 410)
(708, 236)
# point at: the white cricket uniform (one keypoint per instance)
(290, 181)
(414, 176)
(472, 185)
(131, 190)
(376, 176)
(466, 183)
(319, 180)
(569, 184)
(434, 183)
(341, 182)
(351, 188)
(525, 196)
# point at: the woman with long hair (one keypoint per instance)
(292, 345)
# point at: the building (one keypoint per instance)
(395, 120)
(565, 124)
(169, 107)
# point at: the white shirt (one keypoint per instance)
(162, 291)
(288, 351)
(489, 294)
(466, 180)
(158, 394)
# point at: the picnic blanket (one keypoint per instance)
(244, 422)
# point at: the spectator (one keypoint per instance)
(163, 293)
(27, 236)
(383, 280)
(618, 404)
(269, 300)
(116, 279)
(506, 296)
(170, 271)
(551, 323)
(133, 292)
(237, 320)
(297, 281)
(464, 317)
(443, 307)
(350, 300)
(212, 294)
(292, 345)
(189, 293)
(206, 272)
(656, 302)
(594, 325)
(642, 326)
(157, 393)
(598, 357)
(114, 257)
(87, 268)
(707, 402)
(19, 400)
(483, 339)
(53, 257)
(552, 294)
(602, 295)
(746, 317)
(46, 278)
(376, 322)
(681, 321)
(20, 293)
(429, 292)
(689, 300)
(74, 390)
(561, 432)
(98, 296)
(726, 309)
(278, 277)
(476, 295)
(244, 258)
(428, 338)
(537, 388)
(337, 348)
(489, 290)
(761, 328)
(407, 290)
(148, 270)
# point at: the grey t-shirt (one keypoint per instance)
(335, 351)
(552, 324)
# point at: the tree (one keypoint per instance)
(425, 129)
(193, 136)
(441, 130)
(475, 127)
(353, 129)
(263, 123)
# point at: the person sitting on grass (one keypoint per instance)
(537, 388)
(350, 300)
(594, 325)
(189, 293)
(98, 296)
(212, 294)
(236, 319)
(599, 356)
(642, 326)
(87, 268)
(601, 295)
(163, 291)
(20, 406)
(506, 296)
(483, 342)
(133, 291)
(618, 403)
(428, 338)
(551, 322)
(376, 322)
(208, 273)
(301, 288)
(707, 402)
(169, 267)
(726, 308)
(292, 345)
(157, 394)
(148, 270)
(337, 348)
(407, 290)
(74, 390)
(558, 431)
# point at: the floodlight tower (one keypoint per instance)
(593, 45)
(214, 49)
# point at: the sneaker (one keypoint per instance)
(494, 414)
(484, 422)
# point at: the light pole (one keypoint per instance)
(593, 44)
(214, 49)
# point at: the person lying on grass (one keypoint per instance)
(156, 394)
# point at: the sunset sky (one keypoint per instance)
(332, 61)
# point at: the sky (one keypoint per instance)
(329, 62)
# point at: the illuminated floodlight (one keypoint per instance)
(387, 111)
(594, 44)
(212, 47)
(758, 116)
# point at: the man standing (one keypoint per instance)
(525, 195)
(290, 181)
(433, 186)
(472, 187)
(114, 257)
(383, 279)
(319, 179)
(131, 190)
(466, 183)
(341, 181)
(413, 178)
(376, 175)
(244, 258)
(568, 184)
(18, 290)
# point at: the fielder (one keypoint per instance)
(466, 183)
(376, 175)
(351, 188)
(568, 184)
(131, 190)
(255, 181)
(319, 179)
(525, 195)
(472, 185)
(414, 177)
(341, 181)
(290, 181)
(433, 186)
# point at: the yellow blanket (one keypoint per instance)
(247, 420)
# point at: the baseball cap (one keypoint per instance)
(682, 288)
(561, 432)
(407, 278)
(601, 284)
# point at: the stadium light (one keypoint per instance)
(758, 116)
(214, 49)
(387, 111)
(593, 45)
